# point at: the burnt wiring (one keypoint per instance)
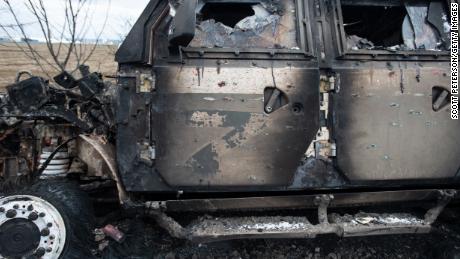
(20, 74)
(82, 108)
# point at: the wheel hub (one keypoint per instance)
(30, 226)
(18, 237)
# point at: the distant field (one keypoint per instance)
(12, 60)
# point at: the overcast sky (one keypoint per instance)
(121, 14)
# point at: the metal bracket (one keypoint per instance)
(360, 224)
(271, 102)
(445, 196)
(440, 100)
(327, 84)
(107, 151)
(325, 149)
(145, 82)
(155, 210)
(323, 202)
(147, 153)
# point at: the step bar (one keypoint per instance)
(206, 229)
(348, 199)
(211, 230)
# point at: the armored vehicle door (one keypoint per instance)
(234, 107)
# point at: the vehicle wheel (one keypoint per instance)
(50, 220)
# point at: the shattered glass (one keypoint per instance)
(273, 25)
(422, 25)
(420, 34)
(436, 12)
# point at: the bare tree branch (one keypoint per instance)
(40, 13)
(35, 56)
(88, 56)
(65, 40)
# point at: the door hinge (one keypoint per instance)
(328, 83)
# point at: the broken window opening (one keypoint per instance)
(374, 25)
(229, 14)
(411, 25)
(260, 24)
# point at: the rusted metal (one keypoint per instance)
(114, 233)
(219, 229)
(361, 224)
(106, 152)
(445, 196)
(323, 201)
(170, 225)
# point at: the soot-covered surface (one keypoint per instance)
(443, 242)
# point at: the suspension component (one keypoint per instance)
(58, 166)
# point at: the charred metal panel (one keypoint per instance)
(298, 201)
(385, 126)
(241, 118)
(212, 130)
(133, 111)
(260, 25)
(136, 47)
(317, 173)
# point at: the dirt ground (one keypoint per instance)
(145, 240)
(13, 59)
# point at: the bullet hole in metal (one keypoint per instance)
(297, 108)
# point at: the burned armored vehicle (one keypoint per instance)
(282, 119)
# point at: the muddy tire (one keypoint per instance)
(51, 219)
